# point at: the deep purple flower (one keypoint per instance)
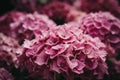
(60, 12)
(25, 5)
(101, 5)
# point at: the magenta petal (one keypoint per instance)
(42, 58)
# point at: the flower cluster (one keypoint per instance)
(102, 25)
(8, 18)
(101, 5)
(22, 26)
(8, 52)
(65, 49)
(58, 11)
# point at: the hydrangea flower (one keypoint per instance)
(22, 26)
(102, 25)
(64, 49)
(8, 18)
(9, 48)
(101, 5)
(60, 12)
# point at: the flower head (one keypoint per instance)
(65, 48)
(60, 12)
(9, 48)
(102, 25)
(22, 26)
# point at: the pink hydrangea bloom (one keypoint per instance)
(8, 18)
(5, 75)
(22, 26)
(101, 5)
(64, 49)
(9, 49)
(102, 25)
